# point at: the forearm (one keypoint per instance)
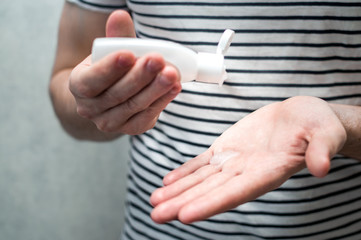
(77, 30)
(350, 116)
(65, 108)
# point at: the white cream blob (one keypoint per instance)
(220, 158)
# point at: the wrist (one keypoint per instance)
(350, 117)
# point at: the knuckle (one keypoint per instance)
(82, 90)
(133, 106)
(78, 87)
(104, 125)
(102, 69)
(108, 125)
(84, 112)
(113, 98)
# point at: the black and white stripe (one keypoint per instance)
(281, 49)
(99, 5)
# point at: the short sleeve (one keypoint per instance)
(100, 5)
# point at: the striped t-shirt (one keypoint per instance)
(281, 49)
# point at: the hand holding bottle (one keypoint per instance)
(121, 93)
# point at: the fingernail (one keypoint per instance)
(125, 61)
(164, 80)
(154, 65)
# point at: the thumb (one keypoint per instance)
(318, 156)
(321, 148)
(120, 24)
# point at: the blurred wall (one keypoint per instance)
(51, 186)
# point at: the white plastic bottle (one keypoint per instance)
(202, 66)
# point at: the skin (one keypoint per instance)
(276, 142)
(122, 94)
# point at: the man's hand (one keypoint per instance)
(122, 94)
(251, 158)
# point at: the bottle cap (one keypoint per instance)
(211, 68)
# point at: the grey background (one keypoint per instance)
(51, 186)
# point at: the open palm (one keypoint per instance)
(253, 157)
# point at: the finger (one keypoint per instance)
(169, 210)
(111, 68)
(120, 24)
(122, 87)
(183, 184)
(167, 83)
(87, 81)
(244, 186)
(141, 75)
(188, 168)
(116, 118)
(237, 190)
(226, 162)
(147, 119)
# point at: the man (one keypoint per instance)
(269, 122)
